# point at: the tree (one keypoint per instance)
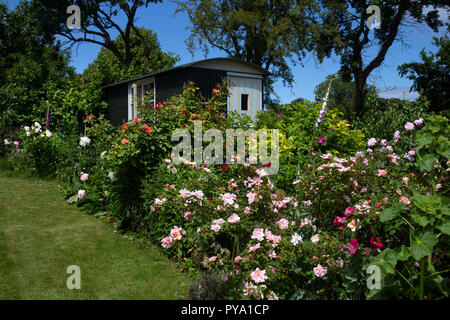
(341, 93)
(431, 77)
(31, 64)
(99, 21)
(264, 32)
(108, 68)
(349, 36)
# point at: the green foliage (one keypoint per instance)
(301, 146)
(351, 43)
(107, 68)
(431, 75)
(341, 94)
(265, 33)
(385, 116)
(30, 67)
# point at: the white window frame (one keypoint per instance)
(133, 99)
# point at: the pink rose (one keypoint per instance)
(352, 247)
(234, 218)
(176, 233)
(320, 271)
(348, 211)
(258, 275)
(81, 194)
(409, 126)
(166, 242)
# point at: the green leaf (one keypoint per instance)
(392, 212)
(72, 199)
(421, 220)
(429, 204)
(422, 243)
(426, 162)
(446, 211)
(424, 139)
(444, 150)
(403, 253)
(445, 227)
(386, 260)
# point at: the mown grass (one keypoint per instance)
(41, 235)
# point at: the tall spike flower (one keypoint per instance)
(47, 121)
(323, 111)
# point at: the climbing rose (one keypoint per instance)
(234, 218)
(320, 271)
(382, 173)
(283, 223)
(166, 242)
(176, 233)
(372, 142)
(375, 242)
(405, 200)
(296, 239)
(81, 194)
(258, 275)
(339, 221)
(84, 177)
(352, 247)
(409, 126)
(258, 234)
(348, 211)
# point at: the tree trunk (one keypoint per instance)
(358, 96)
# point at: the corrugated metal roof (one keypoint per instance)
(185, 66)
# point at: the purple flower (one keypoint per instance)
(409, 126)
(321, 140)
(372, 142)
(278, 115)
(47, 121)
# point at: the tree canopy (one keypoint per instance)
(31, 64)
(349, 37)
(431, 76)
(110, 69)
(264, 32)
(99, 23)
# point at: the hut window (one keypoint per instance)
(244, 102)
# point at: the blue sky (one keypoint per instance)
(172, 32)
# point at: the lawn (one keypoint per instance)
(41, 235)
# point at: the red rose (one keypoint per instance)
(339, 221)
(348, 211)
(375, 242)
(352, 246)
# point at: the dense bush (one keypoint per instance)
(384, 116)
(319, 243)
(339, 203)
(304, 141)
